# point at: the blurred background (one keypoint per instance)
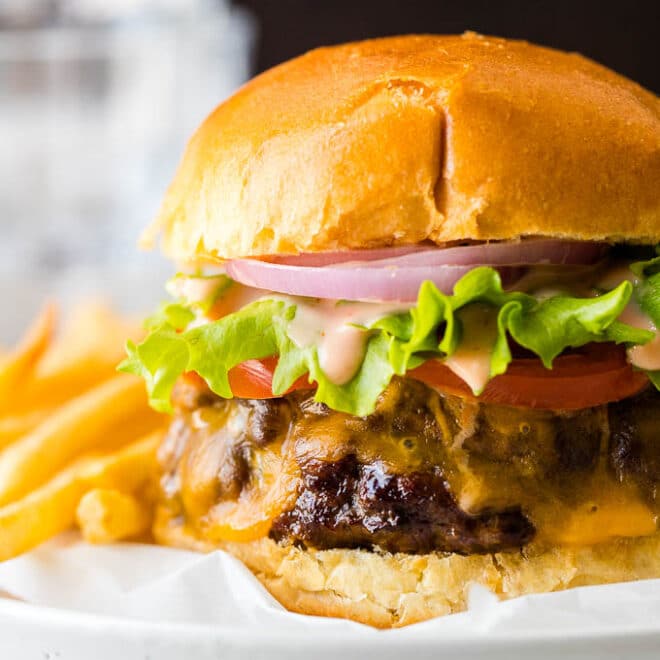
(98, 98)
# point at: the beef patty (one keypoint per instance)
(347, 504)
(424, 472)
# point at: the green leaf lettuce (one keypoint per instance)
(432, 328)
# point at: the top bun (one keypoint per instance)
(418, 138)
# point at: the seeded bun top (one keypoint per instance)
(418, 138)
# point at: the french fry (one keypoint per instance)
(82, 425)
(86, 353)
(17, 367)
(41, 515)
(127, 470)
(14, 426)
(93, 330)
(105, 515)
(51, 508)
(68, 425)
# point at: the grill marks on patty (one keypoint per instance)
(423, 472)
(346, 504)
(634, 447)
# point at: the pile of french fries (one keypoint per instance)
(77, 440)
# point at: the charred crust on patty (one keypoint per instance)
(634, 446)
(346, 504)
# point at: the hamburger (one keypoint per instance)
(413, 344)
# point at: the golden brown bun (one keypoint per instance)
(406, 139)
(387, 590)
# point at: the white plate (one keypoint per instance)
(135, 602)
(30, 632)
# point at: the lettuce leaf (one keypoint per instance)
(647, 288)
(395, 343)
(174, 314)
(654, 377)
(546, 327)
(160, 359)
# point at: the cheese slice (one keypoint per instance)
(595, 522)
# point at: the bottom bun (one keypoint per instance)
(393, 590)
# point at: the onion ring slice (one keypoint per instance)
(395, 274)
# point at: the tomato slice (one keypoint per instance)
(593, 375)
(252, 379)
(598, 374)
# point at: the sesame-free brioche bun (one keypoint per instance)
(392, 590)
(418, 138)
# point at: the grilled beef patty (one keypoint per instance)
(346, 504)
(424, 472)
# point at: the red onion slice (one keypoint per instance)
(366, 284)
(397, 273)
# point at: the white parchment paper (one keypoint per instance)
(130, 601)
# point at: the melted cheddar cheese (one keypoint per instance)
(556, 467)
